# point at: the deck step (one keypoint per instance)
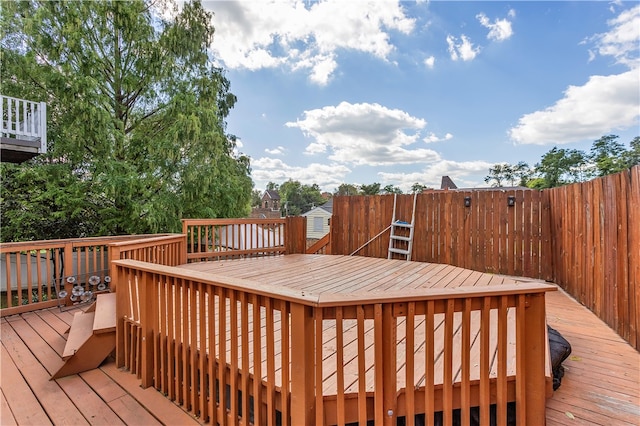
(105, 318)
(92, 337)
(80, 331)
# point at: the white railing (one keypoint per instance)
(23, 119)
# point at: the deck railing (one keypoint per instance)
(215, 239)
(35, 272)
(322, 246)
(233, 351)
(23, 119)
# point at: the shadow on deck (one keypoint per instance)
(601, 384)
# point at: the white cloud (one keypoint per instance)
(432, 137)
(327, 176)
(302, 36)
(430, 62)
(364, 134)
(431, 176)
(604, 104)
(622, 40)
(279, 150)
(500, 30)
(462, 50)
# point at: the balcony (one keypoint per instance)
(23, 134)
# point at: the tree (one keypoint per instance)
(346, 189)
(417, 188)
(296, 198)
(372, 189)
(608, 155)
(632, 156)
(136, 112)
(390, 189)
(498, 174)
(560, 166)
(256, 198)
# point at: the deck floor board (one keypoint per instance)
(104, 396)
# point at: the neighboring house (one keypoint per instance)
(447, 183)
(269, 206)
(23, 129)
(319, 220)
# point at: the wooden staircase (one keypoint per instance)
(92, 337)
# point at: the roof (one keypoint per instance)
(327, 207)
(271, 194)
(447, 183)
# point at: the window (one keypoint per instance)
(317, 224)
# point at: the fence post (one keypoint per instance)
(182, 250)
(535, 357)
(295, 234)
(114, 254)
(302, 366)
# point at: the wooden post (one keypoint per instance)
(114, 254)
(302, 366)
(295, 234)
(182, 250)
(534, 353)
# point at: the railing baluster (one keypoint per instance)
(362, 379)
(271, 364)
(244, 327)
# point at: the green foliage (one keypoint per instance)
(346, 189)
(501, 174)
(256, 198)
(607, 154)
(136, 119)
(372, 189)
(632, 156)
(417, 188)
(296, 198)
(562, 166)
(390, 189)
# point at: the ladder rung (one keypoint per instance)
(399, 251)
(401, 238)
(402, 224)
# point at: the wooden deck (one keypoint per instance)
(366, 276)
(601, 385)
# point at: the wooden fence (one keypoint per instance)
(596, 248)
(234, 351)
(484, 233)
(585, 237)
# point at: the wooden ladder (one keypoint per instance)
(92, 337)
(401, 238)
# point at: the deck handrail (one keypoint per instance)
(34, 272)
(322, 246)
(25, 120)
(169, 318)
(230, 238)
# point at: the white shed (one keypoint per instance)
(319, 220)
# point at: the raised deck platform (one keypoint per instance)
(601, 385)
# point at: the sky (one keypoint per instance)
(397, 93)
